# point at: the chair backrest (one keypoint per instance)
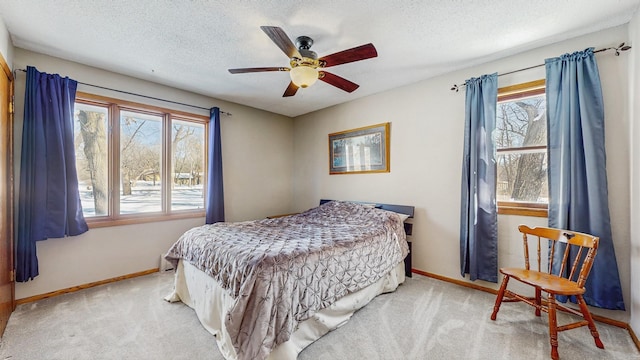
(570, 254)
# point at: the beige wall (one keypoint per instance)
(427, 121)
(6, 47)
(634, 89)
(257, 150)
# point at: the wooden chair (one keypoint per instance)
(558, 279)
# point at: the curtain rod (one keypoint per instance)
(144, 96)
(618, 49)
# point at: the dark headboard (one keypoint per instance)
(402, 209)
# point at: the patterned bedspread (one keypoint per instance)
(281, 271)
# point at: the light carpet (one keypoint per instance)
(423, 319)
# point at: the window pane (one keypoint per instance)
(90, 132)
(187, 147)
(140, 163)
(522, 177)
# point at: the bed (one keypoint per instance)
(268, 288)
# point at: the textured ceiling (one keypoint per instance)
(191, 44)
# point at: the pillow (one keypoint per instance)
(403, 217)
(372, 205)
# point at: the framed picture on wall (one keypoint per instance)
(361, 150)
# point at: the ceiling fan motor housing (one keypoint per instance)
(309, 57)
(304, 44)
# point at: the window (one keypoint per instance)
(138, 163)
(521, 150)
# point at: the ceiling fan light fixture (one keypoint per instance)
(303, 76)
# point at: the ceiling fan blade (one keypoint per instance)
(338, 81)
(350, 55)
(257, 69)
(280, 38)
(291, 90)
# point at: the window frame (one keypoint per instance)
(513, 92)
(114, 106)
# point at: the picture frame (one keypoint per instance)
(361, 150)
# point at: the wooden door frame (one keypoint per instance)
(10, 181)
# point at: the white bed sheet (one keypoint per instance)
(210, 302)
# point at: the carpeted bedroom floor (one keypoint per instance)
(423, 319)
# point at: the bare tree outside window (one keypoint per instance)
(92, 158)
(140, 162)
(187, 147)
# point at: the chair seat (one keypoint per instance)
(547, 282)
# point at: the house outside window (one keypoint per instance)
(521, 150)
(138, 163)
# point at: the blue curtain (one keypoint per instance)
(478, 211)
(48, 201)
(578, 198)
(215, 195)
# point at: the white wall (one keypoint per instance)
(6, 47)
(257, 156)
(634, 89)
(427, 121)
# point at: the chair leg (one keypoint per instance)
(592, 326)
(553, 327)
(538, 300)
(499, 297)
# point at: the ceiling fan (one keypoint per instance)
(306, 67)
